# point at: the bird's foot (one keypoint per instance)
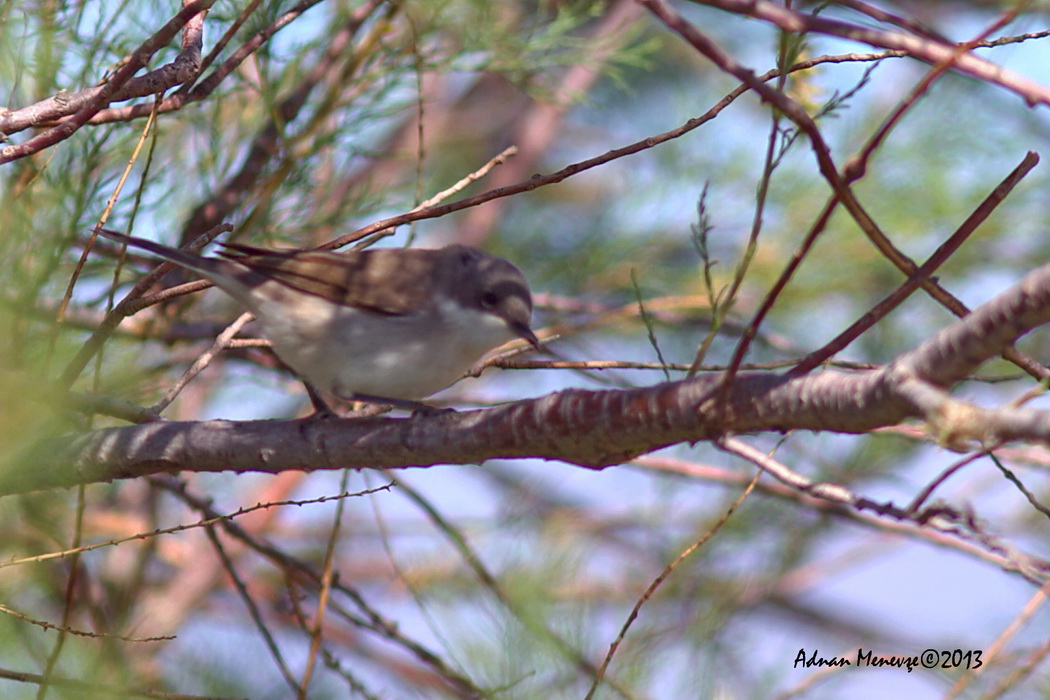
(416, 408)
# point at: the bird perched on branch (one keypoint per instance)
(386, 326)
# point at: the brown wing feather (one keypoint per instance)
(385, 281)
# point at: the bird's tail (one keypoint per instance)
(233, 278)
(179, 257)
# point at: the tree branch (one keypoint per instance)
(925, 48)
(593, 429)
(85, 104)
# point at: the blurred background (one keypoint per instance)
(511, 579)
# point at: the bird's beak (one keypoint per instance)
(523, 331)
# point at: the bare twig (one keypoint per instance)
(86, 104)
(921, 47)
(221, 343)
(924, 272)
(664, 575)
(121, 310)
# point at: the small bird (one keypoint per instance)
(389, 325)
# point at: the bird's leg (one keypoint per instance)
(322, 409)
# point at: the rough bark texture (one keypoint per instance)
(590, 428)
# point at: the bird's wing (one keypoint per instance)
(385, 281)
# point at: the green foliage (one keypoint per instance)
(512, 581)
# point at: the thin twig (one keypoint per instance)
(205, 358)
(664, 575)
(327, 578)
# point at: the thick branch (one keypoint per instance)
(590, 428)
(988, 330)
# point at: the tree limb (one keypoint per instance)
(83, 105)
(594, 429)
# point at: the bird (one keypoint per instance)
(389, 326)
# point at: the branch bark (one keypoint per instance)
(85, 104)
(923, 47)
(594, 429)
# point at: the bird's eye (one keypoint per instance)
(489, 300)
